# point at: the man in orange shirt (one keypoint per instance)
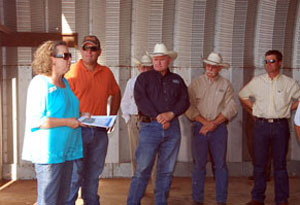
(93, 84)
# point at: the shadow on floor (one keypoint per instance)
(114, 192)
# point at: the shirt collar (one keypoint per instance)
(159, 74)
(97, 69)
(274, 79)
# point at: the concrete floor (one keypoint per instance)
(114, 191)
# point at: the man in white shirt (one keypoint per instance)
(130, 111)
(275, 96)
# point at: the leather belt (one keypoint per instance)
(146, 119)
(270, 120)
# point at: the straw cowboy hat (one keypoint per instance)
(145, 61)
(215, 59)
(161, 50)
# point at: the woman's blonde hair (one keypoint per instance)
(42, 63)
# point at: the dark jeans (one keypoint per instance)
(277, 136)
(249, 135)
(216, 142)
(86, 171)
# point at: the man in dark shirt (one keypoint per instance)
(161, 96)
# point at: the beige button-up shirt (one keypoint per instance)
(272, 98)
(210, 98)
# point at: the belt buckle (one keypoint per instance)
(270, 120)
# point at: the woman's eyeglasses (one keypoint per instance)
(270, 61)
(65, 56)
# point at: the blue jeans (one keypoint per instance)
(53, 182)
(153, 139)
(277, 136)
(216, 142)
(86, 171)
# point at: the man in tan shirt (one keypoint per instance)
(274, 97)
(212, 105)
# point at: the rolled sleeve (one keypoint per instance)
(297, 117)
(295, 91)
(247, 91)
(192, 111)
(230, 107)
(244, 93)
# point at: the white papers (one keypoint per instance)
(98, 120)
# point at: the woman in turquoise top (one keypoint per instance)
(52, 134)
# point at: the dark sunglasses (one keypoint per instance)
(270, 61)
(65, 56)
(92, 48)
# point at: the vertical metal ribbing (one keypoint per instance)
(98, 15)
(296, 39)
(155, 23)
(264, 32)
(140, 30)
(182, 37)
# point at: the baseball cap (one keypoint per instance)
(92, 40)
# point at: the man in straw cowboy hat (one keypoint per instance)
(212, 105)
(275, 96)
(130, 111)
(161, 96)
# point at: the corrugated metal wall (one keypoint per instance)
(241, 30)
(1, 86)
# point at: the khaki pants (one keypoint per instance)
(133, 134)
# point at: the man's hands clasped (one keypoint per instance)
(165, 118)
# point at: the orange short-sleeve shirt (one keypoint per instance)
(92, 88)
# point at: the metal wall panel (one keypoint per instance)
(139, 31)
(1, 91)
(38, 15)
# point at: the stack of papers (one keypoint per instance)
(98, 120)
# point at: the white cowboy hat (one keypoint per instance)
(215, 59)
(161, 50)
(145, 61)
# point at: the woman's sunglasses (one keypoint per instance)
(65, 56)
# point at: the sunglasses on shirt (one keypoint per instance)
(270, 61)
(65, 56)
(92, 48)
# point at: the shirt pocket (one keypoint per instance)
(281, 98)
(199, 95)
(173, 88)
(220, 93)
(219, 96)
